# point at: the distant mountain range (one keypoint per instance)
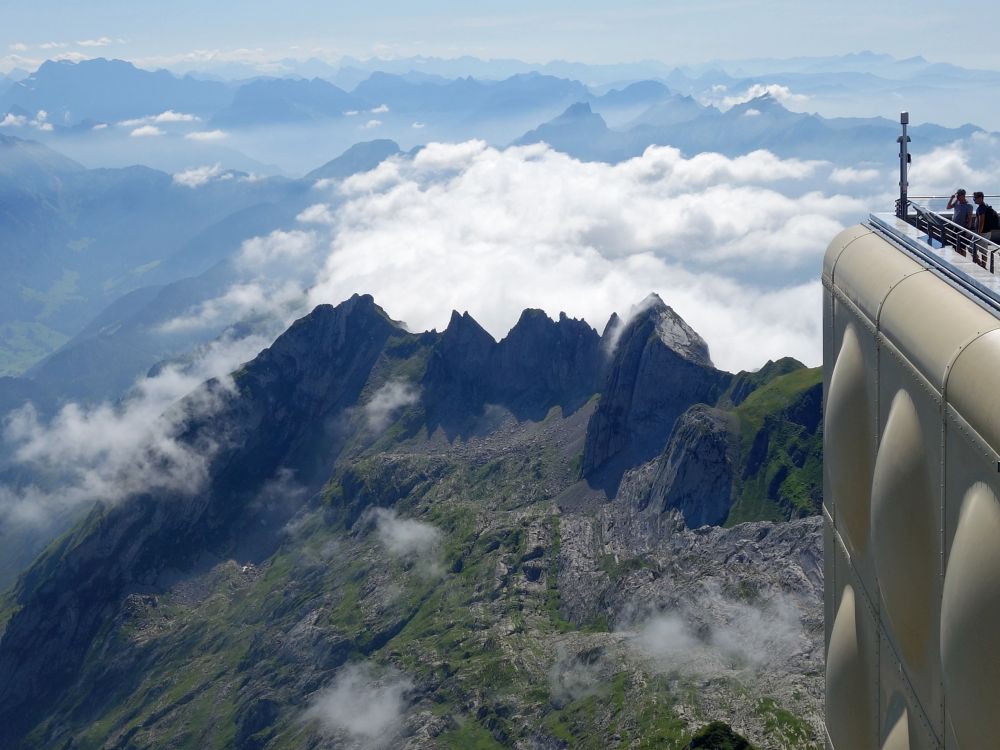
(761, 123)
(102, 90)
(107, 111)
(74, 240)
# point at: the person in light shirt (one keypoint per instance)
(962, 209)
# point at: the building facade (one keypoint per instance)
(912, 480)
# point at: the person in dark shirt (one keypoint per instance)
(987, 222)
(962, 209)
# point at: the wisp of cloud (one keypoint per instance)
(410, 540)
(362, 705)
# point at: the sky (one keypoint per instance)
(581, 30)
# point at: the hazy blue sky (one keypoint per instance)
(581, 30)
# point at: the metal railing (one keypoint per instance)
(941, 229)
(939, 203)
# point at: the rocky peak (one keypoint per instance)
(672, 330)
(542, 362)
(659, 368)
(578, 111)
(614, 323)
(326, 335)
(465, 339)
(453, 383)
(535, 330)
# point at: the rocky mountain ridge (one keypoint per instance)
(214, 616)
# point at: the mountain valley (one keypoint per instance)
(494, 544)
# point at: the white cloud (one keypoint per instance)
(39, 121)
(574, 676)
(207, 135)
(362, 705)
(380, 109)
(318, 213)
(752, 112)
(110, 451)
(715, 634)
(240, 301)
(409, 540)
(146, 131)
(101, 42)
(13, 121)
(730, 243)
(53, 45)
(255, 57)
(274, 270)
(849, 175)
(198, 176)
(386, 403)
(418, 125)
(371, 124)
(169, 116)
(529, 227)
(72, 56)
(971, 163)
(100, 126)
(776, 90)
(279, 246)
(352, 113)
(18, 47)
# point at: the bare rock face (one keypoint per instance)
(541, 363)
(710, 606)
(659, 368)
(695, 474)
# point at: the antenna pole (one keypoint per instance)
(904, 163)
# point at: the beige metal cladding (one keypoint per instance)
(912, 436)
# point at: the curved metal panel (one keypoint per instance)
(868, 269)
(973, 388)
(970, 613)
(848, 441)
(848, 688)
(898, 737)
(912, 365)
(929, 322)
(837, 245)
(904, 522)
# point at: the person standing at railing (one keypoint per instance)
(961, 207)
(987, 221)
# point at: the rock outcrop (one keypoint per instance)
(694, 476)
(660, 367)
(541, 363)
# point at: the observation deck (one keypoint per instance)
(958, 254)
(911, 501)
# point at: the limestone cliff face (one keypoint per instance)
(659, 368)
(694, 476)
(541, 363)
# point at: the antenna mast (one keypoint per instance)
(904, 163)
